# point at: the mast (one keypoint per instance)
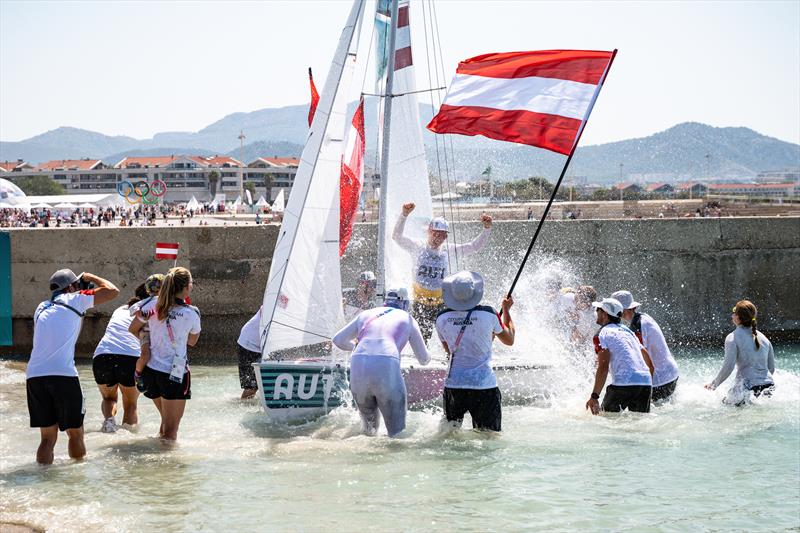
(387, 120)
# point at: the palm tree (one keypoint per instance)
(213, 179)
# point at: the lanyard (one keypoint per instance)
(458, 341)
(370, 321)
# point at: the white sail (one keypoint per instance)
(407, 177)
(303, 298)
(279, 204)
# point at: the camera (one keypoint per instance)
(84, 285)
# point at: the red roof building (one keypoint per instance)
(71, 164)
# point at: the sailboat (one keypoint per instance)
(301, 375)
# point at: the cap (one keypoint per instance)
(626, 299)
(397, 298)
(367, 277)
(462, 290)
(610, 306)
(62, 279)
(438, 224)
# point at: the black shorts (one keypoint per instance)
(425, 314)
(766, 390)
(247, 374)
(55, 400)
(662, 392)
(483, 405)
(114, 369)
(158, 385)
(634, 398)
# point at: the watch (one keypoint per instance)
(595, 396)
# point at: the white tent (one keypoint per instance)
(41, 205)
(66, 205)
(238, 201)
(279, 204)
(262, 202)
(193, 203)
(249, 196)
(6, 205)
(87, 205)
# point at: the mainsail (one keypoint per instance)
(302, 301)
(407, 170)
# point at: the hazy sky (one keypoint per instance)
(137, 68)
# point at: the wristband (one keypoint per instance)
(595, 396)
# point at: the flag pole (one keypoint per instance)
(563, 173)
(175, 263)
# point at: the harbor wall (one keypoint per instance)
(686, 272)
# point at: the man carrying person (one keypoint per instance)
(665, 372)
(620, 353)
(55, 399)
(432, 263)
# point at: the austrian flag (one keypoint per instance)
(167, 250)
(540, 98)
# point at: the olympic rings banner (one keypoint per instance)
(141, 192)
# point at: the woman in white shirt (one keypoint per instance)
(174, 324)
(750, 352)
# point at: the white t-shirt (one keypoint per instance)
(382, 331)
(183, 320)
(627, 365)
(55, 331)
(249, 339)
(666, 370)
(470, 366)
(117, 339)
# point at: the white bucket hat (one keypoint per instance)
(462, 290)
(626, 299)
(438, 224)
(610, 306)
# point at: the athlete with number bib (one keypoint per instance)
(377, 337)
(432, 263)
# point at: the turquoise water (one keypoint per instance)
(694, 464)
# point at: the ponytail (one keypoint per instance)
(746, 312)
(174, 282)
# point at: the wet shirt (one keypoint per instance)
(165, 346)
(382, 331)
(665, 367)
(754, 366)
(249, 339)
(55, 331)
(627, 366)
(470, 365)
(431, 265)
(117, 339)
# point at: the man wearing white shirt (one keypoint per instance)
(55, 399)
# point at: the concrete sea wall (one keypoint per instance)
(686, 272)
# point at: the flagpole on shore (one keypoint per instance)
(563, 173)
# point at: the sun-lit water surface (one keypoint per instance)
(694, 464)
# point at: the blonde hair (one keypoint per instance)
(175, 281)
(746, 311)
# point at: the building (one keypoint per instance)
(14, 166)
(755, 190)
(779, 176)
(660, 188)
(184, 175)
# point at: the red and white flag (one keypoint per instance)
(167, 250)
(352, 176)
(314, 98)
(539, 98)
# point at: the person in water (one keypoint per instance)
(665, 369)
(248, 351)
(467, 330)
(377, 337)
(55, 398)
(620, 353)
(432, 263)
(152, 285)
(750, 352)
(114, 366)
(174, 324)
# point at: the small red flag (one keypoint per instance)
(167, 250)
(314, 98)
(351, 178)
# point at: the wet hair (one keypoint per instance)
(175, 281)
(139, 294)
(746, 311)
(613, 319)
(587, 292)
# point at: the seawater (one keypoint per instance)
(693, 464)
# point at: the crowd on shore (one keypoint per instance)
(144, 349)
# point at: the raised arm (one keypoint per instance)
(418, 343)
(478, 243)
(731, 351)
(397, 235)
(104, 290)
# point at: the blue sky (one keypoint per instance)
(137, 68)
